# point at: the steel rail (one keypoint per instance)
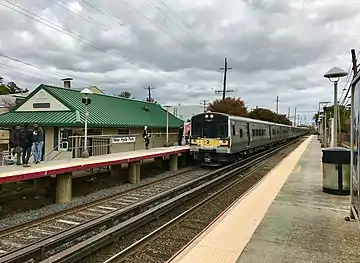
(146, 239)
(44, 219)
(90, 245)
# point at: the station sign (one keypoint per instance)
(123, 139)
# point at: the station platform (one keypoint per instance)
(285, 218)
(19, 173)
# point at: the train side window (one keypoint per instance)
(233, 129)
(253, 132)
(241, 133)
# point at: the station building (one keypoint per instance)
(115, 124)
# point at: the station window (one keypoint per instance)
(94, 132)
(123, 131)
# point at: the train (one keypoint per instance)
(219, 138)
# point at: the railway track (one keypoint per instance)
(14, 238)
(82, 240)
(172, 233)
(70, 230)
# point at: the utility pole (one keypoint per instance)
(295, 118)
(277, 104)
(204, 104)
(224, 91)
(149, 90)
(289, 113)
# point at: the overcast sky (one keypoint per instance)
(275, 48)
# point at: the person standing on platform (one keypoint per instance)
(26, 144)
(38, 142)
(16, 141)
(180, 135)
(146, 137)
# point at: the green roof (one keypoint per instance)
(104, 111)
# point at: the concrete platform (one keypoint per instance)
(19, 173)
(300, 223)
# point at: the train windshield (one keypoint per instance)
(216, 127)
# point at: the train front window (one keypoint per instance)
(216, 127)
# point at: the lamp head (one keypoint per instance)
(86, 91)
(335, 72)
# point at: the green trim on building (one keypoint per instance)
(104, 111)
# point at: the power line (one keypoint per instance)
(354, 63)
(62, 29)
(34, 66)
(26, 72)
(224, 91)
(71, 34)
(164, 14)
(98, 23)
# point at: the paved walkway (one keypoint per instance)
(303, 224)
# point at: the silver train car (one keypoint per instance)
(217, 138)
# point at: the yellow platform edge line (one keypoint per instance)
(225, 240)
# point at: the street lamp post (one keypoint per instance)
(334, 75)
(322, 102)
(322, 138)
(86, 101)
(167, 124)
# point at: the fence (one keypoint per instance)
(97, 145)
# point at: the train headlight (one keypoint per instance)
(206, 116)
(195, 141)
(223, 142)
(211, 116)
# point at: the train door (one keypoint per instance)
(269, 133)
(248, 133)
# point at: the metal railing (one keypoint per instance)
(97, 145)
(106, 144)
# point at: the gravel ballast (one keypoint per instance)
(27, 216)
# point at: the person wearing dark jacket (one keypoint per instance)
(146, 137)
(38, 142)
(16, 141)
(26, 144)
(180, 135)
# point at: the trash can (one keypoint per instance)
(336, 170)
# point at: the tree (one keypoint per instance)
(316, 117)
(7, 103)
(345, 115)
(230, 106)
(10, 88)
(126, 94)
(268, 115)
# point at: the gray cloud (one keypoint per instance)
(274, 48)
